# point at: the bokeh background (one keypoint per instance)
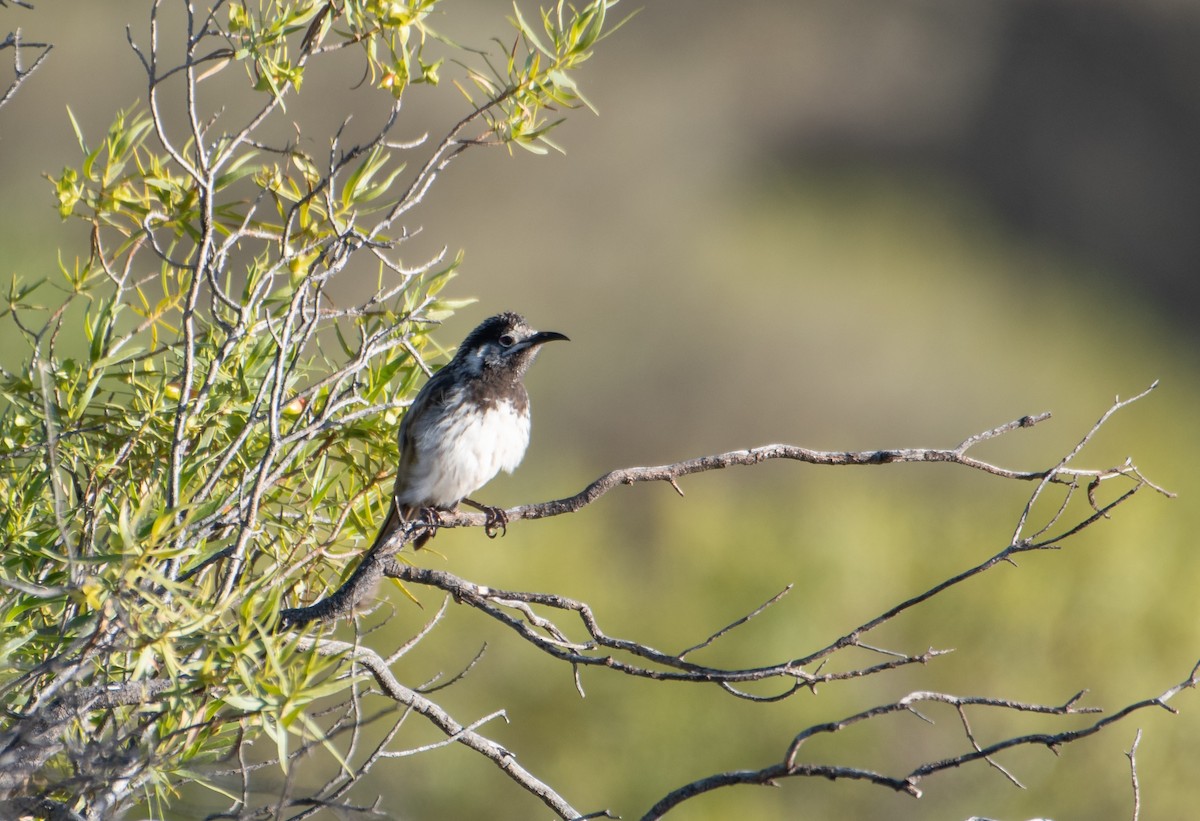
(841, 225)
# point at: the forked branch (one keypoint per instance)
(1062, 473)
(790, 767)
(532, 615)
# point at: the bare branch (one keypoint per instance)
(13, 41)
(454, 731)
(790, 767)
(1058, 474)
(342, 602)
(737, 623)
(32, 741)
(42, 808)
(597, 650)
(1133, 775)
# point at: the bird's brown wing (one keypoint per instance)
(430, 397)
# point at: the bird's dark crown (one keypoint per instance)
(491, 329)
(504, 341)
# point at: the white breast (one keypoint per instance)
(464, 453)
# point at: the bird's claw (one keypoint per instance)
(432, 517)
(496, 522)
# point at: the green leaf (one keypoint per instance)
(358, 185)
(528, 32)
(124, 354)
(247, 704)
(237, 169)
(78, 131)
(197, 777)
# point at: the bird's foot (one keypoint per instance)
(433, 519)
(496, 521)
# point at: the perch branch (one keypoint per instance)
(1060, 473)
(342, 601)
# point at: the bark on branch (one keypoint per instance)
(531, 616)
(790, 767)
(374, 563)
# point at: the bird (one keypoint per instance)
(468, 422)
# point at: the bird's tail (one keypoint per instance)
(390, 525)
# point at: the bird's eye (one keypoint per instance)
(507, 340)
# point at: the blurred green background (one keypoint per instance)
(844, 226)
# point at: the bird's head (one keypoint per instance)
(503, 343)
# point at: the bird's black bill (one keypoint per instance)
(546, 336)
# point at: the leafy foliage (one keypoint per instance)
(220, 432)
